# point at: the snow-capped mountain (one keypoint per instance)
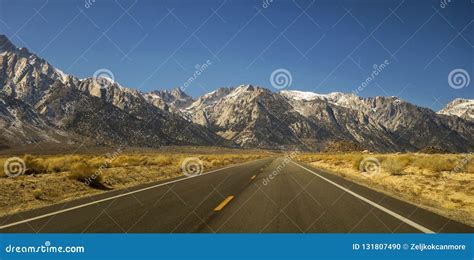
(256, 117)
(460, 107)
(41, 104)
(81, 110)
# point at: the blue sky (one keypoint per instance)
(331, 46)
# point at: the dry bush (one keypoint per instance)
(84, 172)
(126, 160)
(57, 164)
(215, 163)
(98, 161)
(422, 162)
(393, 166)
(382, 158)
(405, 159)
(464, 164)
(434, 163)
(38, 194)
(356, 162)
(2, 163)
(34, 165)
(469, 168)
(162, 160)
(62, 163)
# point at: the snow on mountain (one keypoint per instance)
(338, 98)
(64, 76)
(460, 107)
(303, 95)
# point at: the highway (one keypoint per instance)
(271, 195)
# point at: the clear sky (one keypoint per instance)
(327, 46)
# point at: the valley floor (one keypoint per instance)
(51, 179)
(442, 183)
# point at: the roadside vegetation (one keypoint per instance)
(442, 183)
(49, 179)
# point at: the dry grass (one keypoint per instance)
(50, 179)
(393, 166)
(86, 173)
(443, 183)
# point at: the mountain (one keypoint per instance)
(41, 104)
(175, 98)
(254, 116)
(49, 101)
(21, 123)
(463, 108)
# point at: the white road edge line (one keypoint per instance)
(117, 196)
(393, 214)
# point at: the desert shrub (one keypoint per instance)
(392, 166)
(142, 160)
(37, 193)
(74, 158)
(84, 172)
(215, 163)
(422, 162)
(98, 161)
(469, 166)
(226, 161)
(163, 160)
(2, 163)
(58, 164)
(381, 158)
(405, 160)
(464, 164)
(356, 162)
(442, 164)
(126, 160)
(34, 165)
(434, 163)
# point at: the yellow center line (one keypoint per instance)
(224, 203)
(253, 177)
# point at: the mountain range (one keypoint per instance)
(41, 104)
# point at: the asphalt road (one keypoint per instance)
(242, 198)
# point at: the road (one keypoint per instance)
(241, 198)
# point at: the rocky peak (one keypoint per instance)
(178, 93)
(460, 107)
(174, 99)
(173, 95)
